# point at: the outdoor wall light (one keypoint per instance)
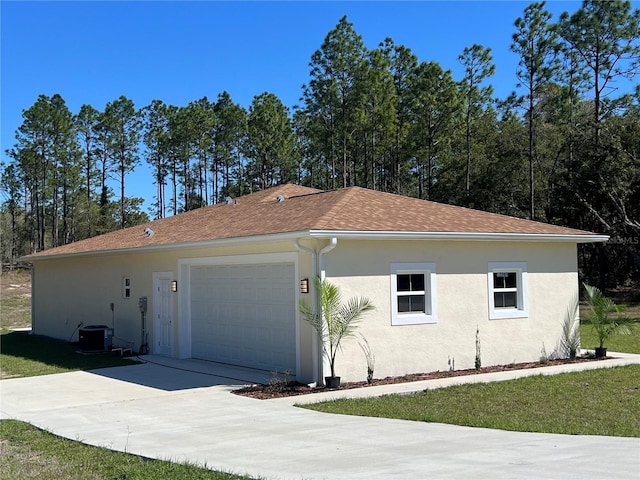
(304, 285)
(174, 285)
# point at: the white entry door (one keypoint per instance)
(162, 314)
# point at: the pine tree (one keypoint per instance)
(536, 43)
(478, 66)
(269, 143)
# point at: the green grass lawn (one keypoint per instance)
(27, 452)
(615, 343)
(597, 402)
(25, 355)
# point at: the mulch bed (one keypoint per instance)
(288, 389)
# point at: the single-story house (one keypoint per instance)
(223, 283)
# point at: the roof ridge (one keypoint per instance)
(471, 210)
(344, 194)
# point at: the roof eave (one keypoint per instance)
(476, 236)
(345, 234)
(221, 242)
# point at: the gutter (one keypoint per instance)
(330, 234)
(477, 236)
(221, 242)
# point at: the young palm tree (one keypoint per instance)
(335, 320)
(602, 309)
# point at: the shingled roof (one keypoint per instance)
(307, 212)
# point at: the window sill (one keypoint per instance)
(507, 313)
(413, 320)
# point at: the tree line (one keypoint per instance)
(563, 148)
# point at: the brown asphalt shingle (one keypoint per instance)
(349, 209)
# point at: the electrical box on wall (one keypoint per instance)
(142, 304)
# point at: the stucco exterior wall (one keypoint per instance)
(71, 290)
(462, 303)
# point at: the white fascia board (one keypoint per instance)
(269, 238)
(346, 234)
(501, 237)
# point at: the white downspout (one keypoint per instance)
(314, 301)
(332, 244)
(317, 264)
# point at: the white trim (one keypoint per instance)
(430, 293)
(478, 236)
(184, 305)
(522, 310)
(345, 234)
(316, 348)
(285, 257)
(220, 242)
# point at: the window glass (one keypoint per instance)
(505, 279)
(411, 303)
(404, 304)
(507, 282)
(413, 293)
(417, 303)
(417, 282)
(413, 282)
(506, 299)
(404, 283)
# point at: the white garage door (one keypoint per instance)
(244, 315)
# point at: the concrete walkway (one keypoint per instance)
(183, 410)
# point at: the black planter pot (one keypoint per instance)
(601, 352)
(332, 382)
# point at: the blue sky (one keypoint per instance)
(93, 52)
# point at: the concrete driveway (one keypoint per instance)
(183, 410)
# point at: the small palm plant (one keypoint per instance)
(570, 340)
(601, 316)
(335, 320)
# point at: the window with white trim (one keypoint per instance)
(507, 282)
(413, 293)
(126, 287)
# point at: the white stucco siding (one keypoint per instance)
(81, 289)
(71, 290)
(462, 303)
(77, 289)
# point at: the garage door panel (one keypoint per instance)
(244, 314)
